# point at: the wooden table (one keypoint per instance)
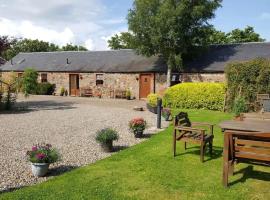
(248, 129)
(246, 125)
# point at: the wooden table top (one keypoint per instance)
(246, 125)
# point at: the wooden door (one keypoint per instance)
(74, 85)
(145, 85)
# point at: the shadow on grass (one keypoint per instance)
(32, 106)
(217, 152)
(58, 170)
(119, 148)
(248, 173)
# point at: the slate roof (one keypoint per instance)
(86, 61)
(218, 56)
(214, 59)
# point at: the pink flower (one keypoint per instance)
(41, 156)
(34, 148)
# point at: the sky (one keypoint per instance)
(92, 22)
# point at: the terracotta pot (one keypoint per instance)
(237, 118)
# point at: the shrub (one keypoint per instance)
(62, 91)
(29, 81)
(240, 106)
(246, 79)
(106, 135)
(43, 153)
(166, 112)
(195, 96)
(152, 99)
(45, 89)
(128, 93)
(137, 124)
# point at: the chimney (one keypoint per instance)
(11, 61)
(68, 61)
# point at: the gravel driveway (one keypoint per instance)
(67, 123)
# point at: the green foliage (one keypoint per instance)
(235, 36)
(128, 93)
(124, 40)
(152, 99)
(239, 106)
(196, 96)
(170, 28)
(105, 135)
(70, 47)
(29, 81)
(45, 89)
(62, 91)
(247, 79)
(43, 153)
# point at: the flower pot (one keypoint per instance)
(138, 133)
(40, 169)
(107, 147)
(238, 118)
(151, 108)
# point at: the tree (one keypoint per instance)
(70, 47)
(170, 27)
(29, 81)
(234, 36)
(5, 43)
(28, 45)
(246, 35)
(124, 40)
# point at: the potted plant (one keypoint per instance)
(239, 106)
(41, 156)
(137, 126)
(166, 113)
(62, 91)
(106, 137)
(128, 94)
(152, 102)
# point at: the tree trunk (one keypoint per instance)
(169, 74)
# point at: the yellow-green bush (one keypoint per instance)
(195, 95)
(152, 99)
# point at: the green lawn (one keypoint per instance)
(149, 171)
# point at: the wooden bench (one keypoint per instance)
(87, 92)
(186, 131)
(240, 146)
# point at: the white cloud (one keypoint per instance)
(82, 22)
(26, 29)
(265, 16)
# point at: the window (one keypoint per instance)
(99, 79)
(44, 78)
(20, 74)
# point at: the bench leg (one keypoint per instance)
(226, 161)
(185, 146)
(202, 149)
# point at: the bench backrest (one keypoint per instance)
(182, 120)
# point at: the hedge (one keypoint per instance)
(246, 79)
(195, 96)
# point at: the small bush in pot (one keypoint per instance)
(62, 91)
(106, 137)
(166, 113)
(41, 156)
(239, 106)
(152, 102)
(137, 126)
(128, 94)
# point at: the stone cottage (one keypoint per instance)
(107, 72)
(104, 72)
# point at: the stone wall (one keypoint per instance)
(203, 77)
